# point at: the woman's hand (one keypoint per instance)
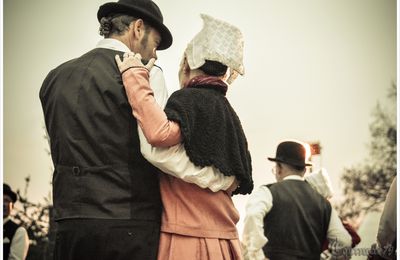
(132, 60)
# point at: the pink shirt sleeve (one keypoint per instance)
(158, 130)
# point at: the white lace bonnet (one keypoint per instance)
(217, 41)
(321, 182)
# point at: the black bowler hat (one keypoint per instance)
(292, 153)
(144, 9)
(8, 191)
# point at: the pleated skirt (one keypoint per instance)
(178, 247)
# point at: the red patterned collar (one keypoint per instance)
(208, 81)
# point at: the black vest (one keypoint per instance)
(99, 171)
(297, 224)
(9, 229)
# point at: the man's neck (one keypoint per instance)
(123, 39)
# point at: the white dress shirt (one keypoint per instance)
(157, 81)
(19, 244)
(259, 204)
(172, 160)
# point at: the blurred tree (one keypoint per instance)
(35, 218)
(365, 186)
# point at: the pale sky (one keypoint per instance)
(315, 70)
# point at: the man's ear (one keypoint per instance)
(138, 28)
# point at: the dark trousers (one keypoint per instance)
(87, 239)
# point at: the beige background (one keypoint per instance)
(315, 70)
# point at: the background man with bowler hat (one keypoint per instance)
(106, 195)
(289, 219)
(15, 237)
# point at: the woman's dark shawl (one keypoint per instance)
(212, 132)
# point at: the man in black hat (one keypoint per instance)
(106, 195)
(15, 237)
(289, 219)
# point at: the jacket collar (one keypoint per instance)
(112, 44)
(5, 220)
(294, 177)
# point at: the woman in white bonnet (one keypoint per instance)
(197, 223)
(321, 182)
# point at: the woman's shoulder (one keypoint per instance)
(193, 93)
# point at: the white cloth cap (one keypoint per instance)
(217, 41)
(321, 182)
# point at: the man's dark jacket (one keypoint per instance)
(297, 224)
(99, 171)
(9, 230)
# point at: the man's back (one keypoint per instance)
(298, 221)
(99, 170)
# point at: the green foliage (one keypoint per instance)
(366, 185)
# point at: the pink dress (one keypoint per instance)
(197, 223)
